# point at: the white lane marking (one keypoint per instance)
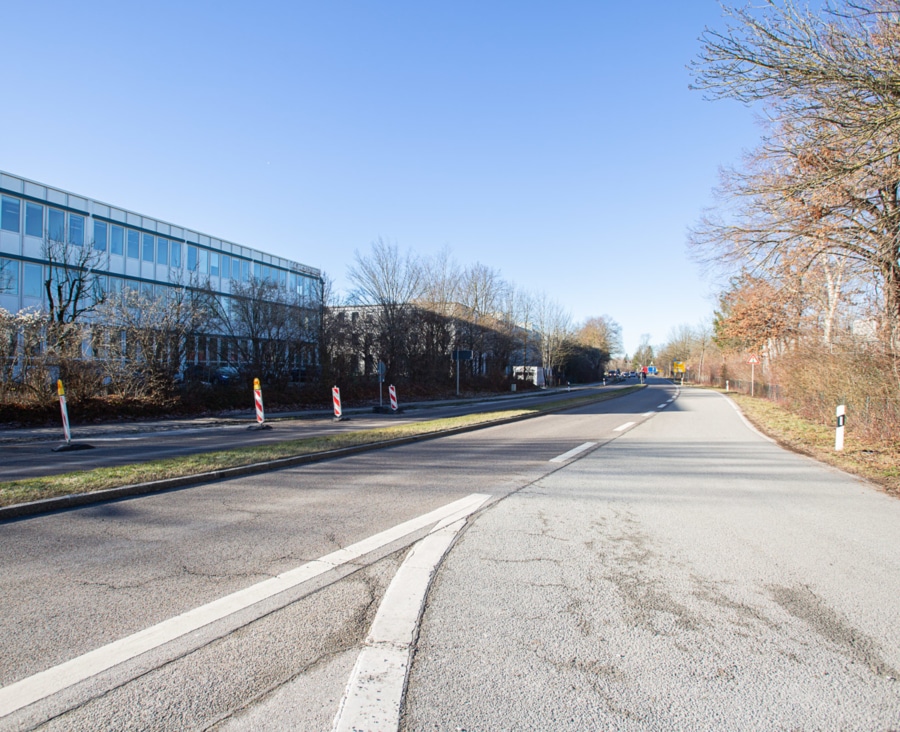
(375, 689)
(623, 427)
(648, 414)
(573, 452)
(662, 406)
(746, 421)
(43, 684)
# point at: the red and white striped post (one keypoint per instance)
(392, 392)
(65, 412)
(257, 398)
(336, 400)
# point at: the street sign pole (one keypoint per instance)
(753, 360)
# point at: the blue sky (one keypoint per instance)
(556, 142)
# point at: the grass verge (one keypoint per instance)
(89, 481)
(879, 463)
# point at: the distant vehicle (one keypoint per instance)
(225, 375)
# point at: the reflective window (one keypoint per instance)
(147, 248)
(204, 261)
(76, 230)
(245, 271)
(134, 245)
(236, 270)
(226, 266)
(214, 264)
(162, 251)
(193, 259)
(9, 276)
(257, 270)
(9, 213)
(32, 282)
(57, 225)
(116, 239)
(34, 219)
(100, 236)
(176, 254)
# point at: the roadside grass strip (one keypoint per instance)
(98, 479)
(34, 688)
(874, 461)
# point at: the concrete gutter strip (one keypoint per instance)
(59, 503)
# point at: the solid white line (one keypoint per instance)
(374, 691)
(648, 414)
(573, 452)
(43, 684)
(623, 427)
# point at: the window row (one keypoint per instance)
(71, 228)
(38, 219)
(31, 281)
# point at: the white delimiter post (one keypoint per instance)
(839, 431)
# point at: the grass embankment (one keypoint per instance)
(88, 481)
(879, 463)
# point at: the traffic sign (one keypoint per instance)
(753, 360)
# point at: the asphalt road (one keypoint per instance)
(27, 453)
(679, 572)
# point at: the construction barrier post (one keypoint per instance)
(69, 445)
(392, 392)
(336, 400)
(65, 412)
(260, 414)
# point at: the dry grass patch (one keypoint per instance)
(878, 462)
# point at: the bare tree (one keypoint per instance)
(824, 185)
(555, 326)
(390, 282)
(141, 340)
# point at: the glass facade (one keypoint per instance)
(128, 251)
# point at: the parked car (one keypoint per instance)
(225, 375)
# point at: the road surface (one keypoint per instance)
(645, 563)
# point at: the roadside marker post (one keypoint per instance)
(67, 432)
(839, 430)
(260, 414)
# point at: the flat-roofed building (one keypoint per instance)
(132, 251)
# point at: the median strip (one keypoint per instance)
(38, 495)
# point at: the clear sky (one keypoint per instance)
(556, 142)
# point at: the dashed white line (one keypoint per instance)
(648, 414)
(662, 406)
(41, 685)
(573, 452)
(623, 427)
